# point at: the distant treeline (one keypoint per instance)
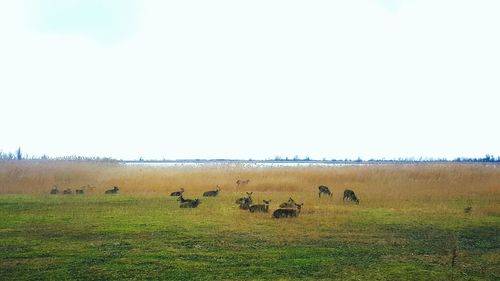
(18, 155)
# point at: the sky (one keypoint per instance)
(250, 79)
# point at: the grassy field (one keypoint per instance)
(409, 225)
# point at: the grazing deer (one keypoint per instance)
(245, 199)
(262, 208)
(112, 191)
(183, 200)
(212, 193)
(289, 204)
(177, 193)
(79, 191)
(190, 204)
(67, 191)
(288, 212)
(350, 196)
(54, 190)
(242, 182)
(324, 190)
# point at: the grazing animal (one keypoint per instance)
(289, 204)
(468, 210)
(54, 190)
(350, 196)
(287, 212)
(242, 182)
(212, 193)
(79, 191)
(112, 191)
(183, 200)
(67, 191)
(324, 190)
(177, 193)
(245, 199)
(262, 208)
(190, 204)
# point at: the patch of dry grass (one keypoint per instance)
(378, 183)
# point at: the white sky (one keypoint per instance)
(250, 79)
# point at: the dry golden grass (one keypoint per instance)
(386, 186)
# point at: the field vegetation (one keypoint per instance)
(411, 223)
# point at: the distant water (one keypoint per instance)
(244, 164)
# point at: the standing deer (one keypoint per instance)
(212, 193)
(350, 196)
(262, 208)
(324, 190)
(177, 193)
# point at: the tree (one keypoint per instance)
(19, 154)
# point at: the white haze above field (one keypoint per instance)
(250, 79)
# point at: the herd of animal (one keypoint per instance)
(81, 190)
(288, 209)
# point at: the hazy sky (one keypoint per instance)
(250, 79)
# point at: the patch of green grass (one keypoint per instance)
(150, 238)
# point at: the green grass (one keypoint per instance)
(150, 238)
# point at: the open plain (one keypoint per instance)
(413, 222)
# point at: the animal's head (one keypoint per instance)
(197, 201)
(290, 200)
(218, 188)
(249, 194)
(115, 188)
(182, 189)
(299, 206)
(267, 202)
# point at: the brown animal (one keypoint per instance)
(67, 191)
(54, 190)
(183, 200)
(245, 199)
(288, 212)
(468, 210)
(242, 182)
(324, 190)
(245, 205)
(212, 193)
(112, 191)
(350, 196)
(262, 208)
(177, 193)
(79, 191)
(289, 204)
(190, 204)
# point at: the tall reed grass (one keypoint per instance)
(377, 183)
